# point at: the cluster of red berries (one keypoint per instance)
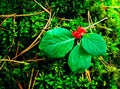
(79, 32)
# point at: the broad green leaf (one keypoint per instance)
(56, 43)
(94, 44)
(79, 60)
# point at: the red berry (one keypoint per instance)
(79, 32)
(76, 34)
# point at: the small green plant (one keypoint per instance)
(56, 43)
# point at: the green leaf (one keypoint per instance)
(94, 44)
(56, 43)
(79, 60)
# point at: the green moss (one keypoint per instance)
(56, 73)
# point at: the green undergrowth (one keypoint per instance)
(55, 74)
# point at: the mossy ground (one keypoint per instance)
(18, 32)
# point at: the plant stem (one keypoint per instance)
(96, 23)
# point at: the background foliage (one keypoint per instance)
(20, 32)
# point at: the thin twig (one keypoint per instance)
(36, 59)
(42, 6)
(3, 29)
(90, 21)
(96, 23)
(25, 50)
(21, 62)
(30, 82)
(87, 73)
(17, 48)
(35, 79)
(102, 60)
(64, 19)
(19, 85)
(22, 15)
(2, 65)
(4, 21)
(7, 60)
(104, 27)
(112, 6)
(13, 42)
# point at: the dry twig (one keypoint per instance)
(20, 62)
(2, 65)
(19, 85)
(30, 82)
(9, 60)
(22, 15)
(87, 73)
(35, 79)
